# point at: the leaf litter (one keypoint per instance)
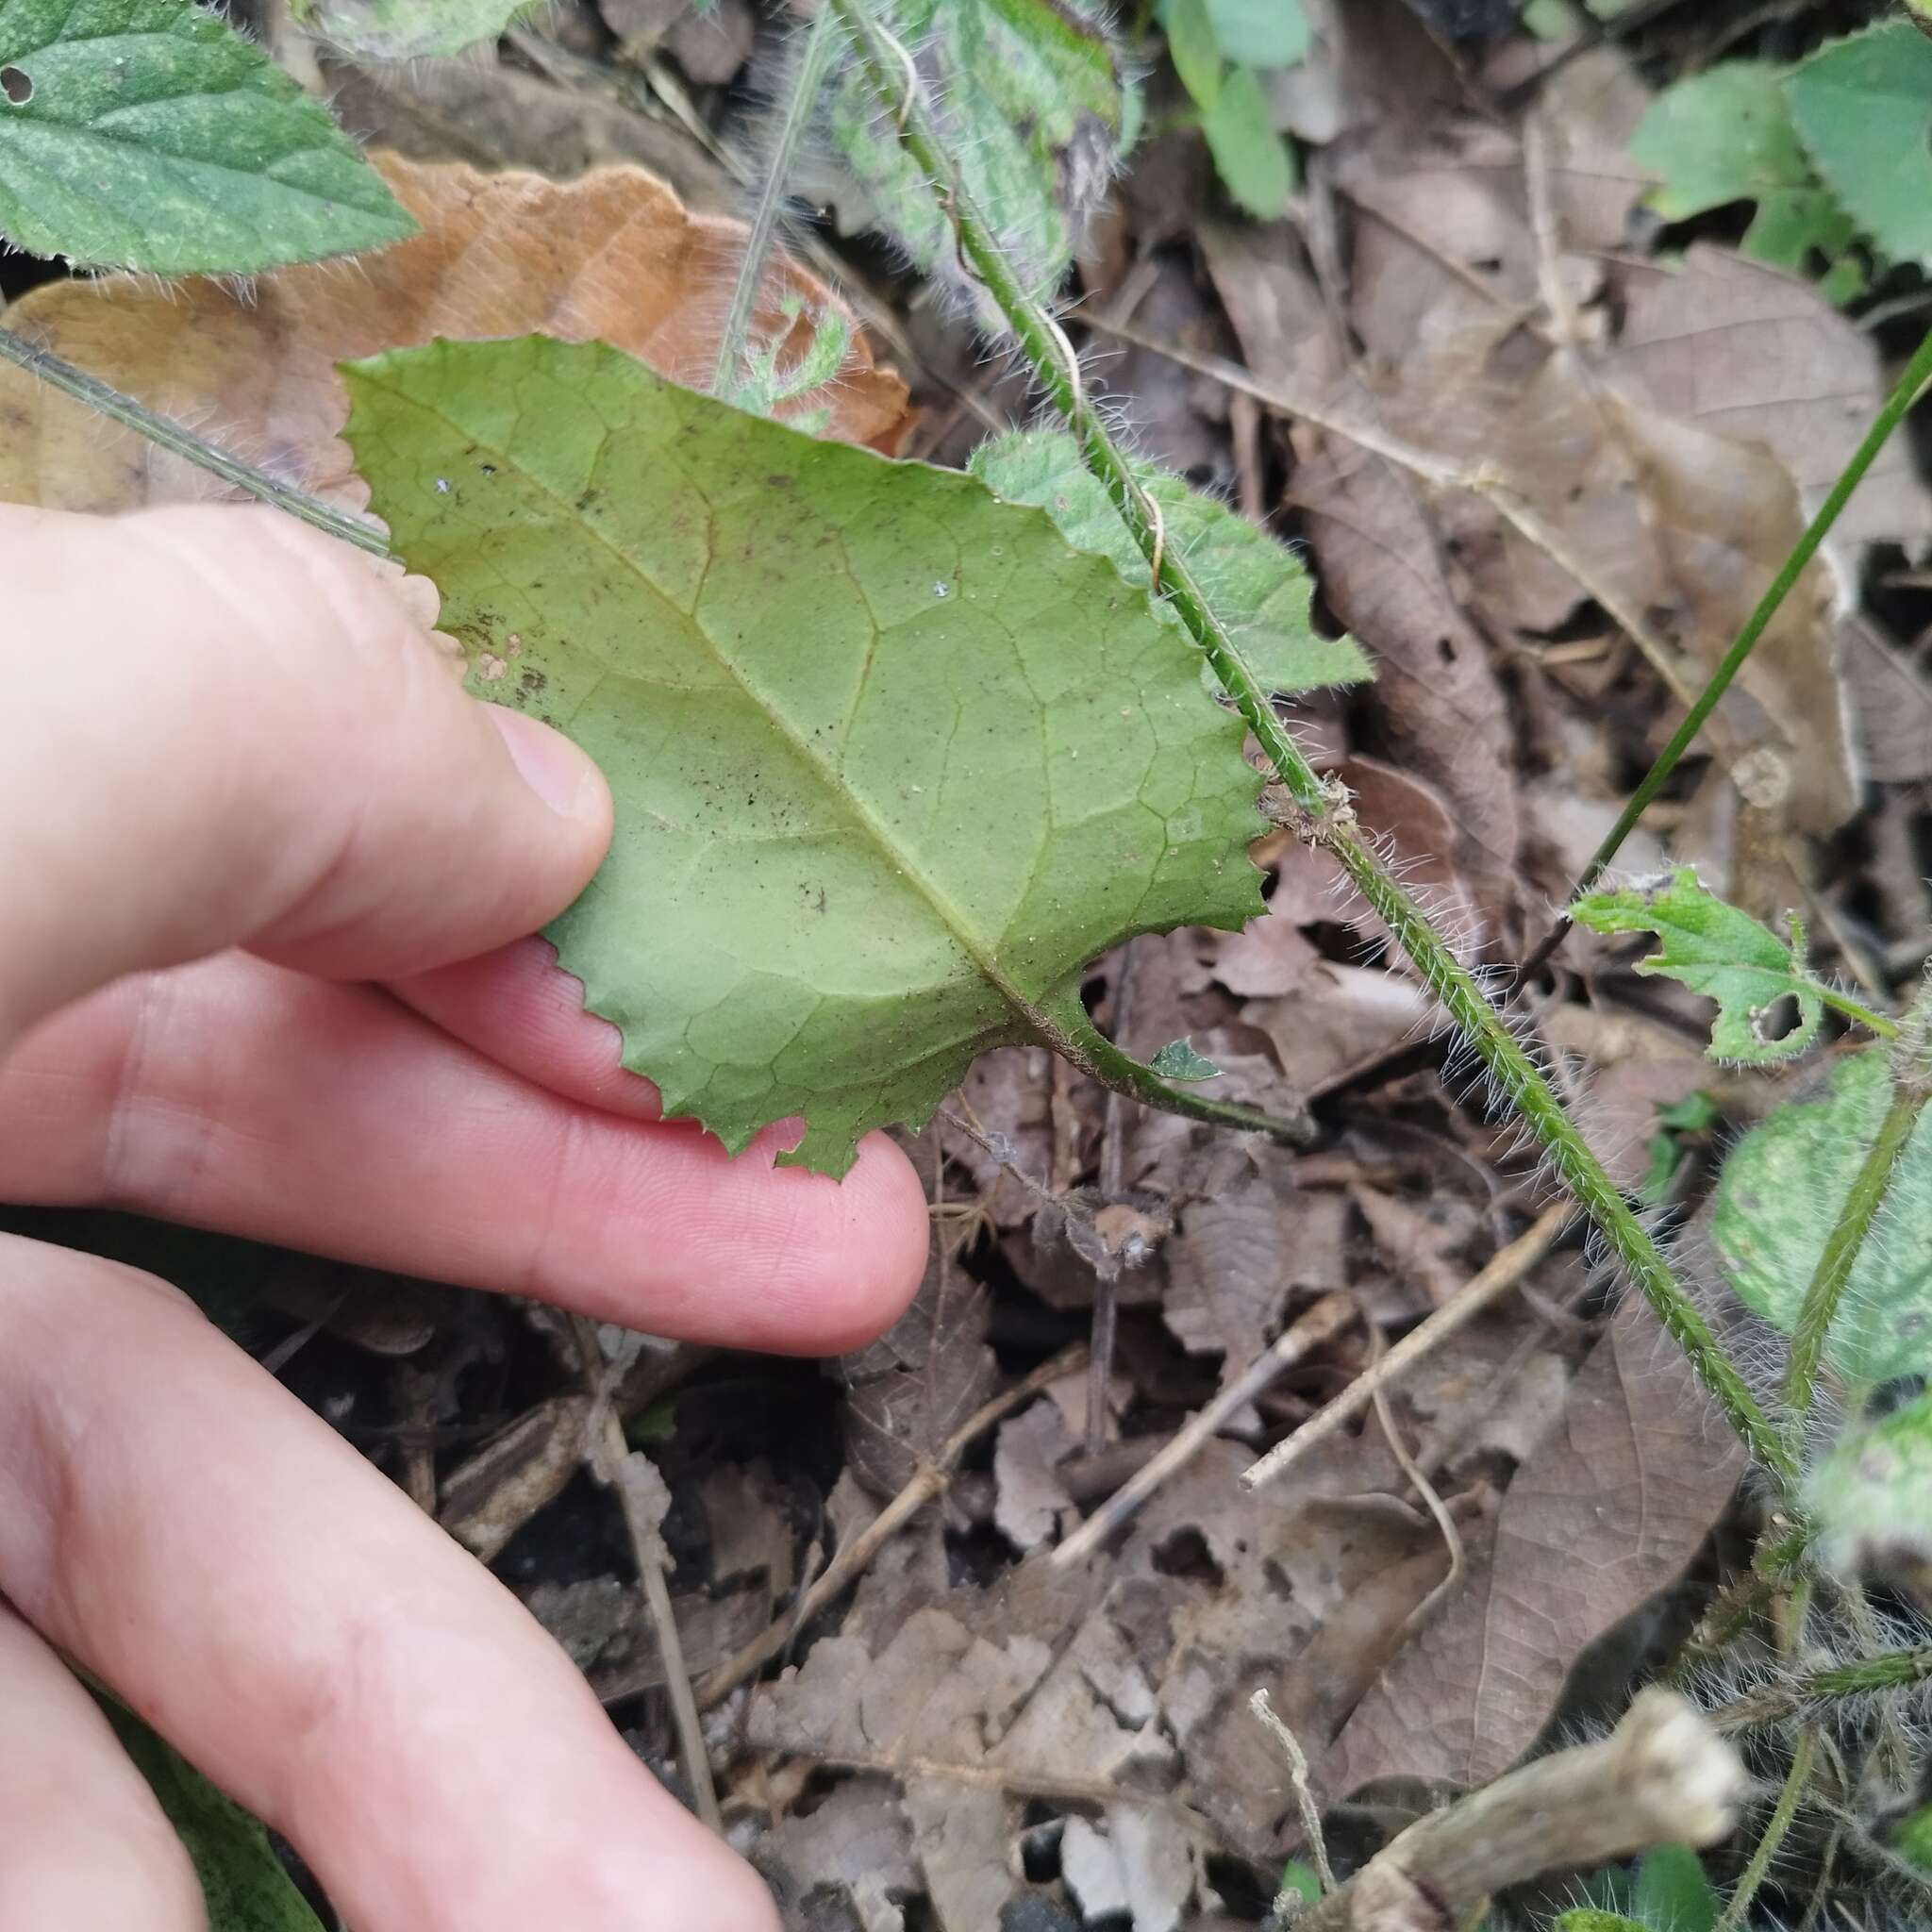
(966, 1731)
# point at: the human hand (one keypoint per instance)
(238, 785)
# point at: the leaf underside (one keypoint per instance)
(148, 134)
(892, 761)
(1718, 950)
(1780, 1195)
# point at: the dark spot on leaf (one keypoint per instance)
(587, 498)
(780, 482)
(1446, 650)
(17, 85)
(1185, 1552)
(488, 469)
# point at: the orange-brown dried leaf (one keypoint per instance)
(613, 255)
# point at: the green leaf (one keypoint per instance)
(1780, 1195)
(1725, 135)
(1260, 33)
(1192, 49)
(1588, 1918)
(1260, 588)
(147, 134)
(1911, 1838)
(1030, 98)
(394, 30)
(241, 1878)
(1667, 1153)
(1674, 1893)
(1302, 1881)
(1720, 952)
(1254, 163)
(1178, 1060)
(1871, 1497)
(892, 762)
(1863, 106)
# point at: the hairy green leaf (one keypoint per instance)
(1725, 135)
(1780, 1195)
(893, 762)
(241, 1878)
(1029, 96)
(1254, 163)
(1871, 1497)
(148, 134)
(392, 30)
(1863, 107)
(1912, 1837)
(1261, 590)
(1588, 1918)
(1720, 952)
(1674, 1893)
(1178, 1060)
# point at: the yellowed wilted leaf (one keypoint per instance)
(613, 255)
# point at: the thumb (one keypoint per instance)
(222, 728)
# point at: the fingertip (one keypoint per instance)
(563, 775)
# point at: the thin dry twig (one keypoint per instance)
(846, 1567)
(1418, 1618)
(628, 1473)
(1505, 1269)
(1298, 1780)
(1314, 1328)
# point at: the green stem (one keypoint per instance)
(110, 402)
(1328, 819)
(1779, 1824)
(814, 59)
(1099, 1057)
(1841, 1254)
(1918, 373)
(1877, 1023)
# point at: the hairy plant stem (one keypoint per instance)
(183, 442)
(1918, 373)
(812, 62)
(1328, 822)
(1776, 1828)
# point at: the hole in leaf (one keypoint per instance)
(1185, 1552)
(17, 85)
(1774, 1020)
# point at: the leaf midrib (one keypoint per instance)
(941, 905)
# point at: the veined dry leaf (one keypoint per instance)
(855, 1842)
(1228, 1270)
(612, 255)
(1761, 355)
(1606, 1513)
(908, 1390)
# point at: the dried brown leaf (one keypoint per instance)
(1029, 1495)
(1608, 1512)
(612, 255)
(908, 1390)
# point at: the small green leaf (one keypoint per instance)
(1694, 1114)
(393, 30)
(1254, 163)
(1030, 97)
(1725, 135)
(1588, 1918)
(241, 1878)
(1912, 1837)
(893, 762)
(1863, 107)
(1178, 1060)
(1780, 1195)
(1720, 952)
(1300, 1881)
(148, 134)
(1260, 588)
(1871, 1498)
(1674, 1894)
(1260, 33)
(1192, 49)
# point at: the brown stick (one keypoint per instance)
(1663, 1774)
(1505, 1269)
(1314, 1328)
(846, 1567)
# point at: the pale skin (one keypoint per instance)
(267, 884)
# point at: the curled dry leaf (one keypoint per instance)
(611, 256)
